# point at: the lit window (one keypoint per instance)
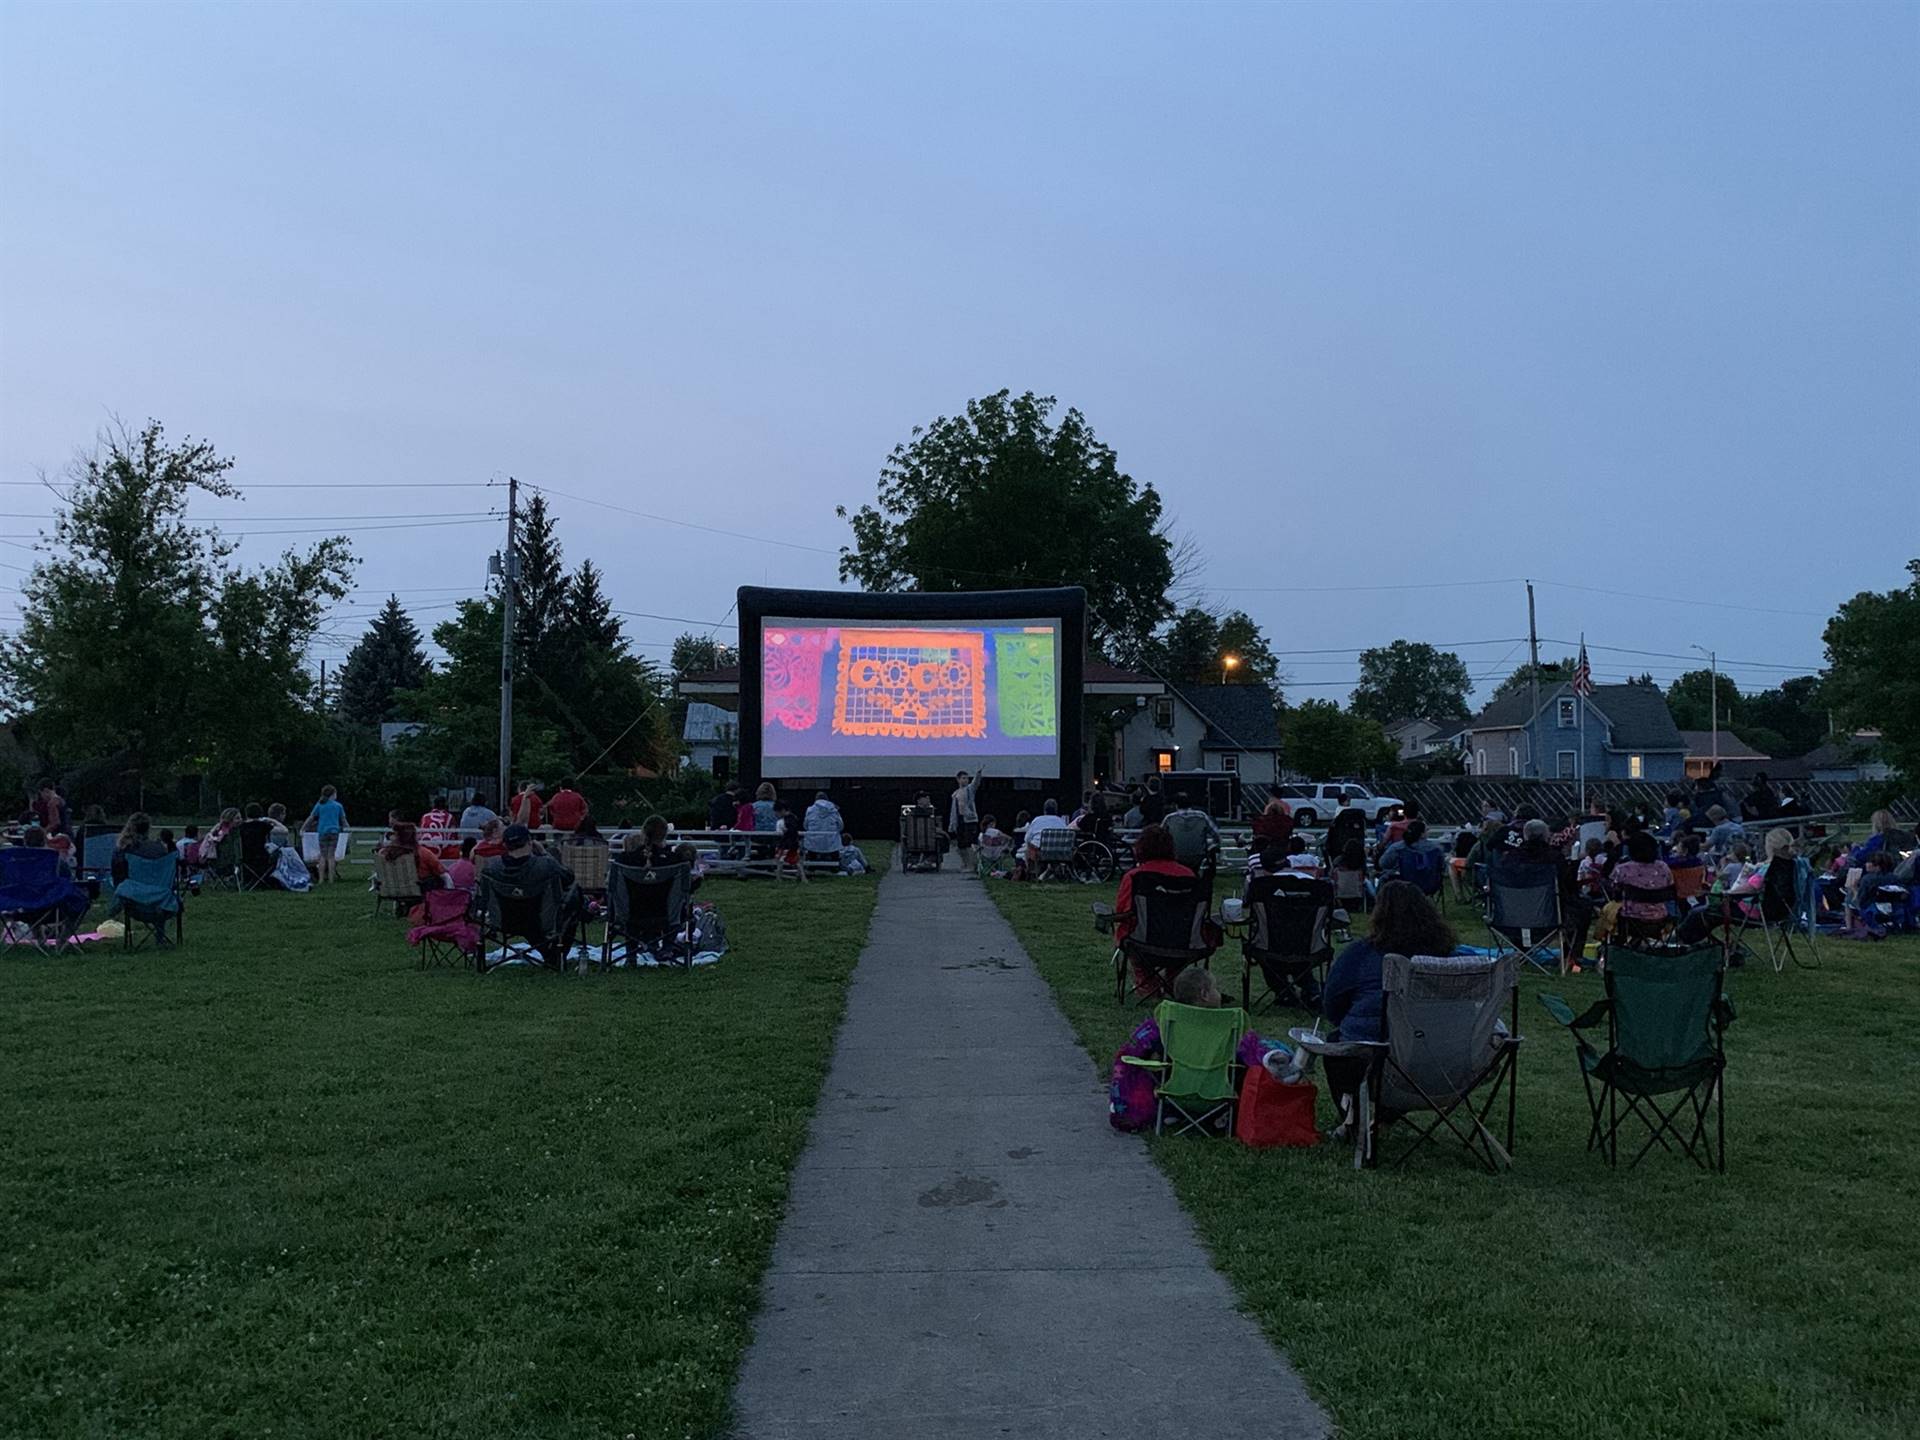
(1636, 767)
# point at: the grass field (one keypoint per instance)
(1781, 1299)
(282, 1183)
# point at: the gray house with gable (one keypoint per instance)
(1630, 735)
(1203, 727)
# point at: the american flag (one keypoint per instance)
(1583, 674)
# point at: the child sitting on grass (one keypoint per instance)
(853, 860)
(1130, 1090)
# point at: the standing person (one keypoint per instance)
(1153, 804)
(786, 850)
(527, 808)
(51, 811)
(436, 826)
(963, 816)
(327, 820)
(567, 808)
(1760, 802)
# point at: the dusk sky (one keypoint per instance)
(1378, 297)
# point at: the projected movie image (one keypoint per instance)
(920, 698)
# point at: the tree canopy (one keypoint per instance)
(1788, 720)
(1691, 699)
(1322, 740)
(144, 642)
(1004, 498)
(1873, 676)
(1195, 646)
(386, 659)
(693, 654)
(1552, 672)
(1411, 679)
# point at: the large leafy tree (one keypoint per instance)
(1411, 679)
(1789, 719)
(1692, 696)
(1873, 679)
(1323, 740)
(143, 643)
(388, 658)
(1002, 497)
(1195, 647)
(694, 654)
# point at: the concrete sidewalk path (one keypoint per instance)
(969, 1249)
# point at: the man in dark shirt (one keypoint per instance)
(524, 871)
(722, 808)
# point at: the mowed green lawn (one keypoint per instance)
(281, 1182)
(1781, 1299)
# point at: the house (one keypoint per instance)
(1705, 749)
(1848, 757)
(1630, 735)
(712, 736)
(1202, 727)
(1415, 738)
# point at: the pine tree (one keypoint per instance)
(387, 658)
(590, 614)
(540, 594)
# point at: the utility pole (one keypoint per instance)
(1713, 695)
(323, 682)
(1533, 654)
(509, 572)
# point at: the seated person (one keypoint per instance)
(1415, 859)
(35, 837)
(461, 873)
(228, 822)
(1274, 822)
(426, 864)
(1131, 1100)
(1643, 869)
(1195, 836)
(1301, 859)
(566, 808)
(1591, 877)
(1739, 872)
(1049, 818)
(822, 826)
(1688, 868)
(525, 869)
(994, 842)
(1349, 872)
(437, 824)
(649, 846)
(1722, 832)
(135, 839)
(1353, 1003)
(853, 860)
(723, 807)
(1153, 855)
(492, 842)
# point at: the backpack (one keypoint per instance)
(1420, 868)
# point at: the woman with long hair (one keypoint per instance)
(1405, 922)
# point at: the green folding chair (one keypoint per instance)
(1200, 1081)
(1666, 1015)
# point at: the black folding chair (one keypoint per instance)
(650, 908)
(1169, 932)
(1290, 941)
(521, 922)
(1523, 911)
(1786, 913)
(1654, 930)
(1665, 1062)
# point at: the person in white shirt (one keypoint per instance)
(1049, 818)
(822, 826)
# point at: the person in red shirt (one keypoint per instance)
(437, 827)
(527, 808)
(567, 808)
(1153, 855)
(491, 843)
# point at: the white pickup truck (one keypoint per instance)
(1313, 804)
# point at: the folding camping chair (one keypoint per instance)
(590, 865)
(650, 907)
(230, 869)
(1291, 939)
(1053, 853)
(1666, 1016)
(1523, 912)
(396, 883)
(1199, 1086)
(1169, 931)
(38, 904)
(919, 839)
(1445, 1041)
(521, 921)
(995, 858)
(1350, 889)
(1786, 907)
(1651, 930)
(148, 898)
(445, 936)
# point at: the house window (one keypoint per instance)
(1565, 767)
(1513, 760)
(1480, 761)
(1230, 763)
(1636, 767)
(1163, 760)
(1163, 714)
(1567, 718)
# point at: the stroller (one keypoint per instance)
(921, 844)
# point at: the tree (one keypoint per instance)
(1873, 676)
(540, 591)
(590, 614)
(386, 659)
(695, 654)
(1691, 699)
(1321, 739)
(1412, 679)
(1194, 646)
(1000, 498)
(142, 643)
(1552, 672)
(1791, 717)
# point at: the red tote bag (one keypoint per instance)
(1273, 1113)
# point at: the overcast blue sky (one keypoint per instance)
(1619, 296)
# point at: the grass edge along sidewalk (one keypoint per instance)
(1780, 1299)
(282, 1182)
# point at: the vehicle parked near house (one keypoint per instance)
(1315, 802)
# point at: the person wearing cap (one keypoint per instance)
(527, 870)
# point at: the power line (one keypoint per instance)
(1347, 589)
(683, 524)
(1675, 600)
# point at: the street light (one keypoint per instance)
(1227, 662)
(1713, 696)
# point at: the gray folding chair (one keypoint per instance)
(1448, 1059)
(1523, 912)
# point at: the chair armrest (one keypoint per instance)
(1557, 1008)
(1145, 1064)
(1103, 917)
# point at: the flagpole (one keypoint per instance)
(1582, 695)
